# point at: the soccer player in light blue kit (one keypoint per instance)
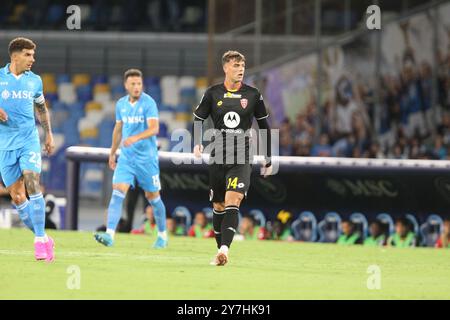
(20, 150)
(136, 128)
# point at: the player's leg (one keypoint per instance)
(13, 181)
(123, 178)
(148, 177)
(237, 184)
(30, 165)
(159, 213)
(19, 197)
(217, 197)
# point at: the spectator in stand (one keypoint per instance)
(248, 229)
(444, 239)
(201, 228)
(439, 151)
(286, 140)
(323, 148)
(403, 237)
(349, 235)
(345, 107)
(281, 228)
(173, 228)
(377, 236)
(149, 225)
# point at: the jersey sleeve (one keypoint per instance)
(118, 114)
(204, 108)
(260, 108)
(151, 110)
(39, 94)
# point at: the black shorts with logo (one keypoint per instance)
(228, 177)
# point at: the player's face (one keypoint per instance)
(24, 60)
(234, 70)
(134, 86)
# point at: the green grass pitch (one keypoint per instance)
(257, 270)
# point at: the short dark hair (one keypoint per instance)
(232, 55)
(403, 221)
(132, 73)
(20, 43)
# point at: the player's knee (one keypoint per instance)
(219, 206)
(151, 195)
(18, 197)
(234, 199)
(123, 189)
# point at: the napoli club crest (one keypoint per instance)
(244, 103)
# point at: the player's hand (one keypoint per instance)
(198, 149)
(112, 161)
(266, 171)
(3, 115)
(129, 141)
(49, 146)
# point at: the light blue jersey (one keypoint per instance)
(17, 98)
(20, 148)
(140, 160)
(134, 119)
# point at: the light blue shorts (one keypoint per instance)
(14, 162)
(146, 174)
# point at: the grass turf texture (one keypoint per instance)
(131, 269)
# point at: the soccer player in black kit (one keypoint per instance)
(232, 106)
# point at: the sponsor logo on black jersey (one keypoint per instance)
(231, 119)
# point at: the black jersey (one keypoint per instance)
(232, 114)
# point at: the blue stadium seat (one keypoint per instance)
(304, 228)
(99, 79)
(431, 230)
(386, 219)
(259, 217)
(63, 78)
(163, 130)
(105, 133)
(70, 130)
(52, 97)
(330, 227)
(55, 13)
(182, 217)
(414, 224)
(151, 82)
(58, 106)
(84, 93)
(360, 222)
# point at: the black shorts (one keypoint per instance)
(223, 177)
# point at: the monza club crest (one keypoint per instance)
(244, 103)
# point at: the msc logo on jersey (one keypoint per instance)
(231, 119)
(135, 119)
(244, 103)
(5, 94)
(17, 94)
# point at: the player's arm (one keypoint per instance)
(44, 119)
(200, 114)
(261, 116)
(153, 130)
(116, 139)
